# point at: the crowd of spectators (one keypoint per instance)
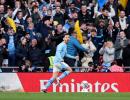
(30, 31)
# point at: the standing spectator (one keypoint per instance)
(44, 11)
(2, 10)
(109, 31)
(35, 54)
(35, 15)
(31, 30)
(59, 16)
(126, 56)
(44, 27)
(121, 42)
(106, 11)
(88, 57)
(117, 29)
(123, 20)
(72, 8)
(22, 51)
(58, 34)
(11, 42)
(1, 53)
(84, 16)
(97, 41)
(5, 52)
(28, 21)
(108, 53)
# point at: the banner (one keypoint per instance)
(97, 82)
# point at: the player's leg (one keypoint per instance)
(66, 73)
(52, 79)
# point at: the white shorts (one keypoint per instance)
(59, 66)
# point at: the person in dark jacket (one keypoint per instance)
(35, 54)
(84, 16)
(59, 16)
(22, 51)
(44, 27)
(126, 56)
(120, 43)
(58, 34)
(1, 53)
(35, 15)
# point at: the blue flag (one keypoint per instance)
(101, 3)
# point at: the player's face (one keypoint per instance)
(66, 38)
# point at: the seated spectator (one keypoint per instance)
(116, 68)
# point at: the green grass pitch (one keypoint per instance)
(64, 96)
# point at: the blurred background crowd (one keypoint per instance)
(30, 31)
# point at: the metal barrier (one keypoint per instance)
(76, 69)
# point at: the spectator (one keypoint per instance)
(2, 10)
(84, 15)
(44, 27)
(121, 42)
(106, 11)
(1, 53)
(87, 58)
(27, 67)
(4, 52)
(11, 39)
(126, 57)
(108, 53)
(116, 31)
(22, 51)
(28, 21)
(31, 30)
(35, 54)
(35, 15)
(58, 35)
(123, 20)
(59, 16)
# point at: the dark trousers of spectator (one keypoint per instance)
(70, 62)
(12, 60)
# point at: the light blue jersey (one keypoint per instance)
(61, 51)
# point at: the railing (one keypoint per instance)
(76, 69)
